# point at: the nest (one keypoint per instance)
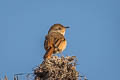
(57, 68)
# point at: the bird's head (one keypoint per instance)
(58, 28)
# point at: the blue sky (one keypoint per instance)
(94, 35)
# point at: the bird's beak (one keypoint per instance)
(67, 27)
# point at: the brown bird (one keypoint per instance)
(55, 41)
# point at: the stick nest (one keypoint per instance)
(57, 68)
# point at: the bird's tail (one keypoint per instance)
(49, 53)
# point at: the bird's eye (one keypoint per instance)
(59, 28)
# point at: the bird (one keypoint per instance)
(55, 41)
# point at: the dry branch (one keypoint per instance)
(55, 68)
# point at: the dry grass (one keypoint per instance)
(55, 68)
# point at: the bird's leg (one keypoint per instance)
(61, 54)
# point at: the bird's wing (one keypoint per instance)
(49, 40)
(59, 43)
